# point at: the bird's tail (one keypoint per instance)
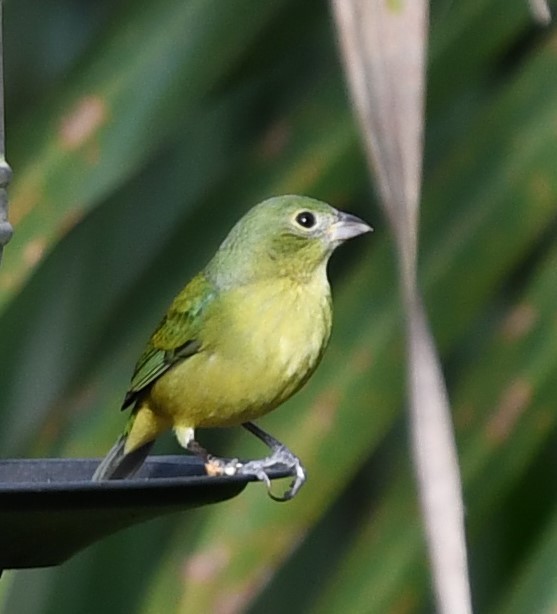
(118, 464)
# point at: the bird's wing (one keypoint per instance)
(176, 338)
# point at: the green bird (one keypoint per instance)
(241, 338)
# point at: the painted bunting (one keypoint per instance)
(242, 337)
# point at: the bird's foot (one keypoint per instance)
(280, 459)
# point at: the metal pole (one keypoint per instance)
(5, 171)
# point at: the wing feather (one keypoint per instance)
(177, 337)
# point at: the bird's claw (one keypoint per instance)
(281, 459)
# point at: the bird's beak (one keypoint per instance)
(348, 226)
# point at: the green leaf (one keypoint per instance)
(147, 75)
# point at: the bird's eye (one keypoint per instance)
(306, 219)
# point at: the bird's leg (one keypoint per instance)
(213, 464)
(281, 457)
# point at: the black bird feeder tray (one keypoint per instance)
(50, 509)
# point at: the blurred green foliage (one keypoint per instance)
(138, 133)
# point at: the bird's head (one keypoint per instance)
(285, 235)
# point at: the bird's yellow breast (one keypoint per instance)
(259, 348)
